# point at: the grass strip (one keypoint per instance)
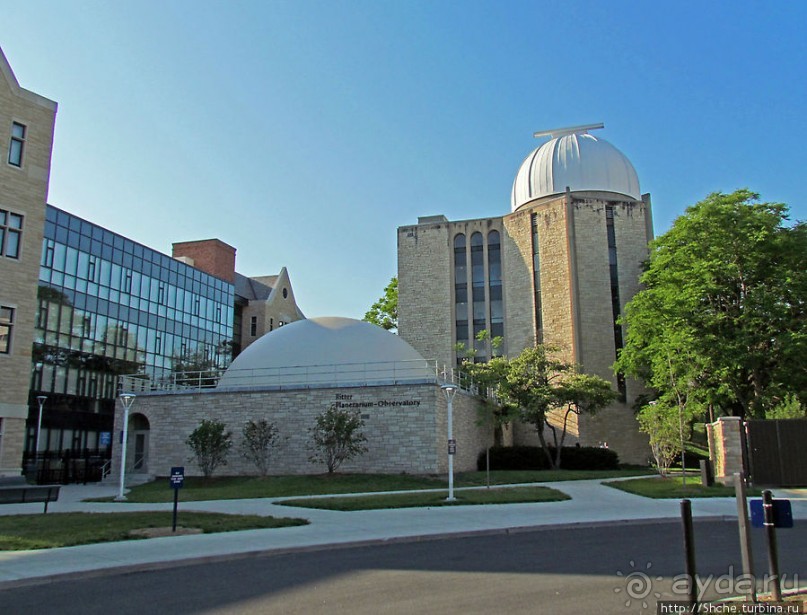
(18, 532)
(514, 495)
(247, 487)
(660, 487)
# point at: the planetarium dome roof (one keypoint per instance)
(575, 159)
(327, 351)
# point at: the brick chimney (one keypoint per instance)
(212, 256)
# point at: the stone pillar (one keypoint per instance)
(726, 447)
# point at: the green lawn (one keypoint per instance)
(245, 487)
(512, 495)
(18, 532)
(672, 487)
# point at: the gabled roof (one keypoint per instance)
(254, 289)
(14, 85)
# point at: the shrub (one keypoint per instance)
(210, 445)
(259, 437)
(533, 458)
(336, 437)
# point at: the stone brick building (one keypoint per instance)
(26, 134)
(557, 270)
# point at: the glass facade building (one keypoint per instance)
(109, 306)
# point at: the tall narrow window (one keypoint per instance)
(495, 287)
(10, 234)
(478, 294)
(91, 265)
(536, 276)
(253, 326)
(615, 303)
(6, 328)
(17, 144)
(461, 293)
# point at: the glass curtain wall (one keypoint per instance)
(109, 306)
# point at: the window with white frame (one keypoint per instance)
(17, 144)
(10, 234)
(6, 328)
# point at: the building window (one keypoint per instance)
(495, 289)
(6, 328)
(478, 296)
(253, 326)
(536, 280)
(271, 324)
(461, 295)
(17, 142)
(615, 302)
(10, 234)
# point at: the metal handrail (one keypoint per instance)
(301, 376)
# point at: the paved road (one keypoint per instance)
(554, 571)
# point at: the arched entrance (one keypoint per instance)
(139, 438)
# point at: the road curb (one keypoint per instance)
(356, 544)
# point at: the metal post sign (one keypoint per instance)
(452, 447)
(177, 478)
(782, 513)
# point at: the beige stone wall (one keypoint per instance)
(400, 438)
(595, 313)
(518, 288)
(555, 244)
(726, 448)
(23, 190)
(424, 290)
(472, 434)
(12, 434)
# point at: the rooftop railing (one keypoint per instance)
(296, 377)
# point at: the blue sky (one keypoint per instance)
(304, 133)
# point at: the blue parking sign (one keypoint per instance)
(177, 477)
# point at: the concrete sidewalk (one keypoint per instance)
(591, 503)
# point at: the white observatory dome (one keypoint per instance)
(327, 351)
(577, 160)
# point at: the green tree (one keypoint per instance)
(259, 438)
(721, 318)
(788, 408)
(210, 444)
(662, 423)
(384, 312)
(581, 394)
(538, 383)
(336, 437)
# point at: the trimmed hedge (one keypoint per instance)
(534, 458)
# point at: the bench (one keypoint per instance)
(17, 491)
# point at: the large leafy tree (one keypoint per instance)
(384, 312)
(721, 319)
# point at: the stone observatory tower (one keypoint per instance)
(558, 270)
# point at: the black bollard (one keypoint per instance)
(773, 556)
(689, 551)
